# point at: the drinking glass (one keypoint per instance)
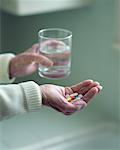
(55, 44)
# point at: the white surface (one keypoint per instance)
(28, 7)
(47, 130)
(99, 137)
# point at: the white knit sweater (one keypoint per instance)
(16, 98)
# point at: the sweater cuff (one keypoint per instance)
(4, 68)
(33, 98)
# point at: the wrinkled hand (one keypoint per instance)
(54, 96)
(27, 62)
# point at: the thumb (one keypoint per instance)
(79, 104)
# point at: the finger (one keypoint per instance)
(99, 88)
(52, 43)
(80, 85)
(28, 58)
(42, 60)
(68, 113)
(91, 93)
(75, 88)
(66, 107)
(79, 104)
(60, 56)
(85, 89)
(56, 44)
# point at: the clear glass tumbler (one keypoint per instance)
(56, 44)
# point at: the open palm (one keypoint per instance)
(55, 96)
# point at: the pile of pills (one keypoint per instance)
(73, 97)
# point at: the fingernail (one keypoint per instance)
(100, 87)
(90, 80)
(97, 83)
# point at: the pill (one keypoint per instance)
(80, 96)
(76, 99)
(68, 98)
(72, 97)
(74, 94)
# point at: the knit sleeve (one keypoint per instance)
(4, 68)
(32, 95)
(19, 98)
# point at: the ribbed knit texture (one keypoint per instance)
(4, 68)
(33, 98)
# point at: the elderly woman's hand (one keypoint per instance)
(55, 96)
(27, 62)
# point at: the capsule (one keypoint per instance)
(72, 97)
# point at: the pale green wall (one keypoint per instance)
(92, 55)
